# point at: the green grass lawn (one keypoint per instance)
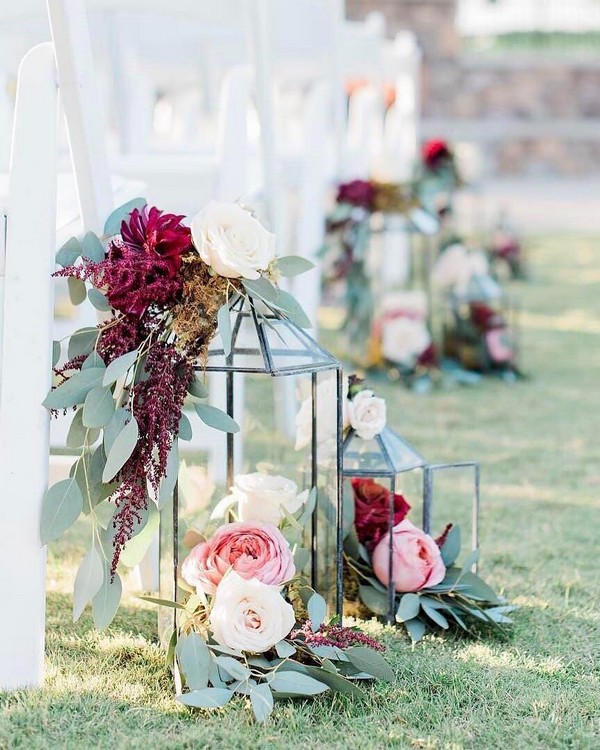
(538, 688)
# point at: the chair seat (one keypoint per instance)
(68, 222)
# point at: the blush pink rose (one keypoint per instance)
(252, 549)
(416, 559)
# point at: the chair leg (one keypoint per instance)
(26, 369)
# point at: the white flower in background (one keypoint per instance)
(195, 488)
(326, 414)
(259, 497)
(404, 339)
(456, 267)
(248, 615)
(367, 414)
(231, 241)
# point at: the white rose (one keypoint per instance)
(259, 497)
(231, 241)
(248, 615)
(404, 339)
(452, 269)
(367, 414)
(326, 414)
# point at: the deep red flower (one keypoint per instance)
(506, 247)
(441, 540)
(435, 152)
(136, 280)
(157, 234)
(429, 357)
(485, 318)
(358, 193)
(372, 510)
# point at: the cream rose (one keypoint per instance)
(367, 414)
(259, 497)
(326, 415)
(404, 339)
(231, 241)
(248, 615)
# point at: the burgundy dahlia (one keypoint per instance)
(372, 510)
(435, 153)
(485, 318)
(162, 236)
(429, 357)
(359, 193)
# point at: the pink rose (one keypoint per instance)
(252, 549)
(416, 559)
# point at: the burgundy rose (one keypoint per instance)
(359, 193)
(485, 318)
(372, 510)
(159, 235)
(435, 152)
(429, 357)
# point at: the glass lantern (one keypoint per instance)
(385, 458)
(265, 343)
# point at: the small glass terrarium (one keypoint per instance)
(373, 470)
(272, 468)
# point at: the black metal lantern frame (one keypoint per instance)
(456, 316)
(264, 341)
(389, 455)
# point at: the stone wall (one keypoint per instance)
(527, 112)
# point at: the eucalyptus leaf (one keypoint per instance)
(416, 629)
(92, 248)
(261, 699)
(207, 698)
(69, 252)
(185, 428)
(197, 389)
(114, 427)
(98, 408)
(293, 265)
(194, 660)
(335, 682)
(317, 611)
(296, 683)
(56, 351)
(135, 549)
(451, 548)
(472, 559)
(285, 649)
(216, 418)
(163, 602)
(370, 661)
(408, 608)
(93, 360)
(168, 483)
(88, 581)
(376, 601)
(79, 435)
(98, 300)
(233, 667)
(112, 225)
(261, 288)
(434, 614)
(224, 325)
(301, 558)
(477, 588)
(82, 342)
(121, 449)
(106, 602)
(118, 367)
(292, 309)
(61, 507)
(77, 290)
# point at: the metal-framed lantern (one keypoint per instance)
(387, 456)
(481, 330)
(264, 342)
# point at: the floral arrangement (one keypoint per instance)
(437, 176)
(346, 251)
(506, 249)
(249, 624)
(164, 290)
(405, 341)
(476, 333)
(429, 590)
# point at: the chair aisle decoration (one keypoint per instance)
(392, 568)
(248, 622)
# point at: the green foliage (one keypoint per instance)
(112, 225)
(293, 265)
(216, 418)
